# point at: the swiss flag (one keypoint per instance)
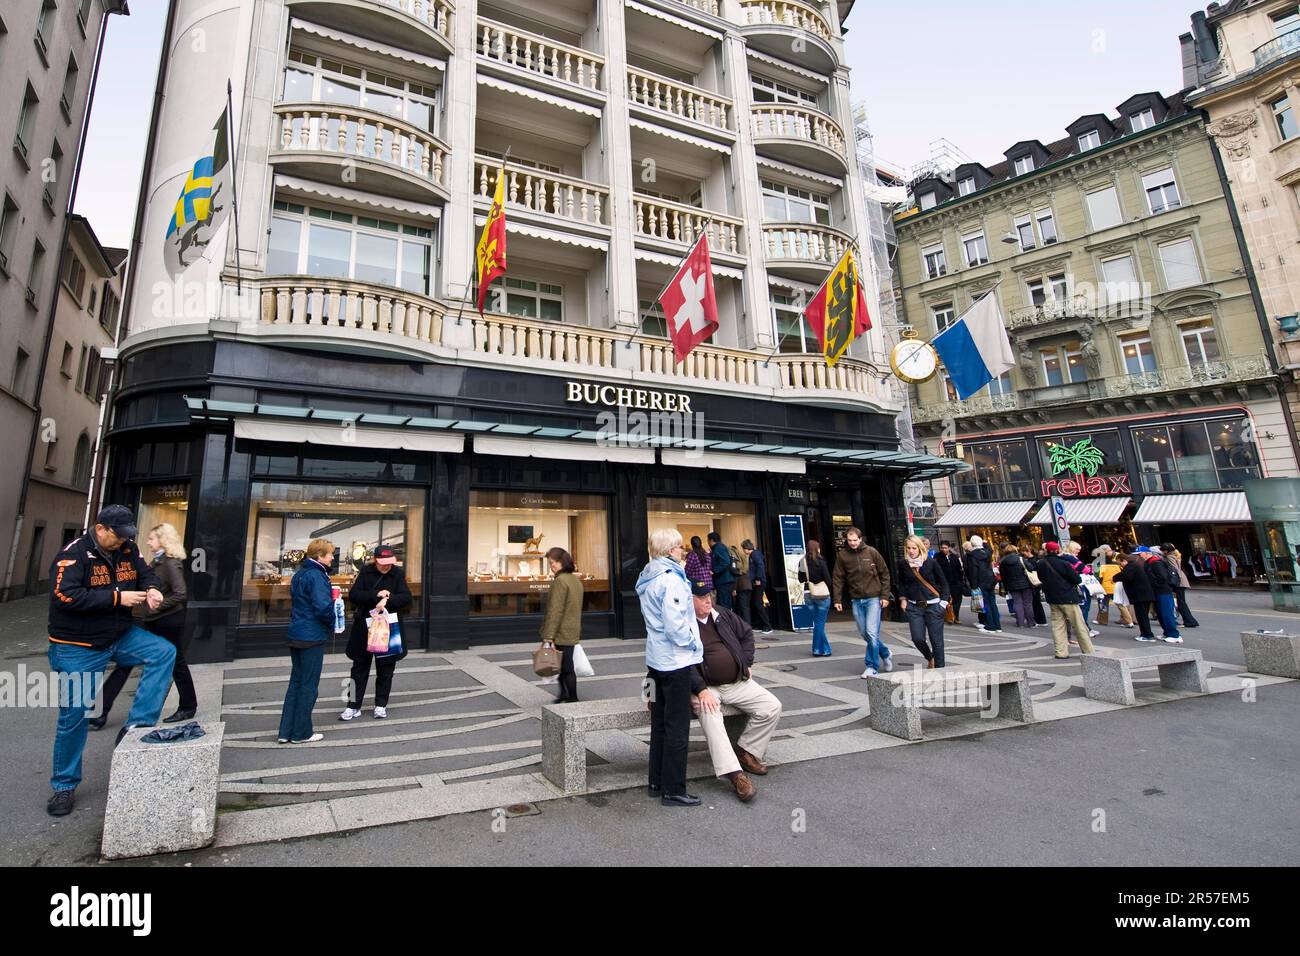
(688, 301)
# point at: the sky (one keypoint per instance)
(983, 76)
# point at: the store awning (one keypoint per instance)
(1085, 511)
(1222, 507)
(562, 450)
(979, 514)
(689, 458)
(360, 436)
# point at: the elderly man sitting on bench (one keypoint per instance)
(724, 678)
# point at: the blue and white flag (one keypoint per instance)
(975, 349)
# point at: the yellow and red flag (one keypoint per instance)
(490, 255)
(838, 313)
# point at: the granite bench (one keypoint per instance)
(565, 728)
(162, 797)
(1108, 671)
(1277, 655)
(896, 698)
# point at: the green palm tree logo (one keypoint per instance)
(1083, 457)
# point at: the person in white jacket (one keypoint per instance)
(672, 649)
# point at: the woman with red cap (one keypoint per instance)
(381, 585)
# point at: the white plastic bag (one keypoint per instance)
(581, 666)
(1121, 596)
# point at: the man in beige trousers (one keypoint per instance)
(724, 678)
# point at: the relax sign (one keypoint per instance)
(1080, 462)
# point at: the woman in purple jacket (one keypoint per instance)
(699, 564)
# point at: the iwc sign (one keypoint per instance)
(621, 396)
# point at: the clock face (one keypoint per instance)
(914, 361)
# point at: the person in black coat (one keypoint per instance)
(1015, 581)
(1137, 586)
(979, 574)
(1061, 589)
(758, 580)
(381, 584)
(925, 595)
(1164, 581)
(951, 566)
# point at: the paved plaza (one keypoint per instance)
(464, 730)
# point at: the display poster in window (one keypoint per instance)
(841, 524)
(795, 549)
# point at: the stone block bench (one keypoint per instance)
(897, 698)
(1277, 655)
(565, 728)
(162, 797)
(1108, 671)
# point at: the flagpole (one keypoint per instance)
(655, 301)
(234, 178)
(474, 271)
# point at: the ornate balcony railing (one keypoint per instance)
(704, 6)
(1241, 369)
(1277, 48)
(810, 373)
(677, 222)
(538, 54)
(542, 191)
(436, 14)
(807, 241)
(678, 99)
(788, 121)
(1076, 307)
(979, 405)
(786, 12)
(532, 341)
(353, 131)
(320, 303)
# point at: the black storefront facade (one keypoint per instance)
(471, 473)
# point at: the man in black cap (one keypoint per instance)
(97, 579)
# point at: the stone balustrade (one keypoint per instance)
(788, 121)
(542, 191)
(364, 134)
(679, 99)
(368, 308)
(436, 14)
(538, 54)
(677, 222)
(1241, 369)
(807, 241)
(789, 13)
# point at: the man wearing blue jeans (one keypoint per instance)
(97, 579)
(862, 577)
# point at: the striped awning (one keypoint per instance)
(978, 514)
(1085, 511)
(1220, 507)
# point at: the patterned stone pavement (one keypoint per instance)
(464, 728)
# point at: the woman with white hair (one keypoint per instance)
(672, 649)
(167, 621)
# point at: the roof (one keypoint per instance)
(82, 225)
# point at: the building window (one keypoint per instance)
(1025, 232)
(1119, 278)
(1043, 290)
(509, 535)
(1001, 385)
(1138, 354)
(83, 15)
(44, 25)
(949, 389)
(327, 242)
(1178, 259)
(285, 517)
(975, 248)
(94, 298)
(1107, 443)
(1161, 190)
(1063, 365)
(935, 263)
(944, 316)
(1089, 140)
(69, 94)
(1046, 226)
(653, 322)
(1024, 164)
(81, 463)
(517, 160)
(18, 384)
(1137, 122)
(1286, 20)
(8, 229)
(65, 364)
(1284, 117)
(1196, 456)
(999, 471)
(1200, 342)
(51, 455)
(734, 521)
(108, 306)
(90, 384)
(764, 90)
(783, 203)
(34, 271)
(527, 298)
(1103, 208)
(26, 119)
(315, 79)
(74, 276)
(927, 201)
(789, 326)
(966, 186)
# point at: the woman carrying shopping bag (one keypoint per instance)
(380, 587)
(816, 579)
(562, 625)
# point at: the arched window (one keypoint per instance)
(81, 462)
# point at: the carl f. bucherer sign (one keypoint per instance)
(621, 396)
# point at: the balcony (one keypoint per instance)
(774, 26)
(387, 154)
(803, 250)
(979, 405)
(518, 51)
(663, 99)
(1277, 48)
(545, 193)
(1076, 307)
(799, 135)
(423, 26)
(1241, 369)
(348, 312)
(680, 224)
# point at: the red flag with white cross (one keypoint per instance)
(688, 302)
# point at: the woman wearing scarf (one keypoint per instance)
(925, 596)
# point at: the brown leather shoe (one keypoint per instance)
(744, 787)
(750, 762)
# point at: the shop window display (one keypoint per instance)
(285, 517)
(163, 504)
(509, 535)
(733, 520)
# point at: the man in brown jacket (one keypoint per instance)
(862, 578)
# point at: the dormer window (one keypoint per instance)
(1137, 122)
(966, 186)
(1025, 164)
(1089, 140)
(927, 201)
